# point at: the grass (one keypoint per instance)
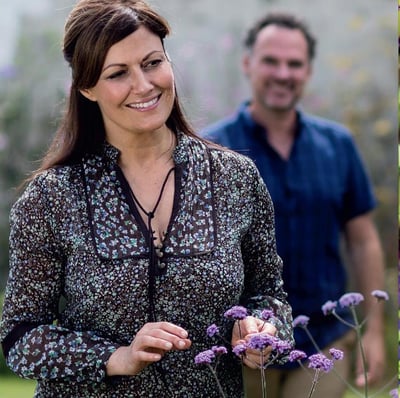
(14, 387)
(385, 394)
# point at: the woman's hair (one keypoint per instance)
(92, 27)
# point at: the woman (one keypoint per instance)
(142, 231)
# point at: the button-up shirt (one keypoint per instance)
(75, 235)
(316, 191)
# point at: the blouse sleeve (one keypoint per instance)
(34, 344)
(263, 267)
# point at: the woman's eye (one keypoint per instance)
(116, 74)
(153, 63)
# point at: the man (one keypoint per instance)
(320, 192)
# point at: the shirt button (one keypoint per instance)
(162, 265)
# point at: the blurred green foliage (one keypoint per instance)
(354, 82)
(30, 94)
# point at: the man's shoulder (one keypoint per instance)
(323, 125)
(220, 127)
(223, 128)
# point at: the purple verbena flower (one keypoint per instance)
(337, 355)
(204, 357)
(281, 346)
(380, 295)
(394, 393)
(260, 341)
(267, 315)
(239, 349)
(297, 355)
(329, 307)
(219, 350)
(351, 299)
(300, 320)
(237, 312)
(212, 330)
(320, 361)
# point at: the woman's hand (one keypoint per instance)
(249, 327)
(150, 344)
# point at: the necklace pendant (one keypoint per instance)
(159, 252)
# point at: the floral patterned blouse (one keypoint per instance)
(81, 283)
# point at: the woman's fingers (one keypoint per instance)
(249, 327)
(268, 328)
(167, 327)
(255, 358)
(149, 345)
(148, 356)
(162, 341)
(163, 335)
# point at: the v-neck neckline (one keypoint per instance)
(135, 210)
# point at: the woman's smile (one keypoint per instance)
(135, 91)
(145, 106)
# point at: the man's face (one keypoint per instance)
(278, 68)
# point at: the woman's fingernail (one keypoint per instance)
(181, 344)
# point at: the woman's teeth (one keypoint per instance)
(143, 105)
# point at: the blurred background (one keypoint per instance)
(354, 82)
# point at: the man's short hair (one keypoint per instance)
(285, 20)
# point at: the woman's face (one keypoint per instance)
(135, 91)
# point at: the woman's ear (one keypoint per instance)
(88, 94)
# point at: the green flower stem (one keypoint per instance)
(221, 391)
(240, 331)
(359, 339)
(355, 391)
(314, 383)
(263, 381)
(314, 343)
(347, 384)
(383, 388)
(343, 320)
(304, 368)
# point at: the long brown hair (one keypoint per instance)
(92, 27)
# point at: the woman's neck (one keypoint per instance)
(147, 152)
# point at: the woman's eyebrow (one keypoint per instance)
(122, 65)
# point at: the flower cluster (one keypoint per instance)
(277, 348)
(208, 356)
(210, 359)
(237, 313)
(352, 300)
(318, 361)
(260, 342)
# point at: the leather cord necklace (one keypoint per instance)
(154, 269)
(155, 252)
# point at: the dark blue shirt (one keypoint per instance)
(315, 192)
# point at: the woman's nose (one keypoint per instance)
(140, 83)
